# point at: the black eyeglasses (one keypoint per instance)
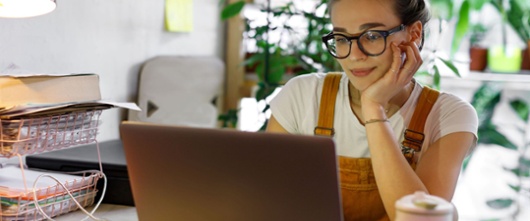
(371, 42)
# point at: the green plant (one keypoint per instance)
(228, 119)
(485, 100)
(297, 49)
(477, 32)
(517, 15)
(445, 11)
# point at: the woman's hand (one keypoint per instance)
(397, 77)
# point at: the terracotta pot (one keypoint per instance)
(526, 58)
(250, 68)
(479, 58)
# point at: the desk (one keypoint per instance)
(108, 212)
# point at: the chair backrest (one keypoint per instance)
(179, 90)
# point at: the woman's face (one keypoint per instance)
(353, 17)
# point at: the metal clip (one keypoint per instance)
(324, 131)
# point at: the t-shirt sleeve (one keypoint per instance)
(454, 115)
(288, 105)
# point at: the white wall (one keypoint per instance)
(109, 37)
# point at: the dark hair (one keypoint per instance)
(408, 11)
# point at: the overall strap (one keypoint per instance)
(414, 135)
(327, 104)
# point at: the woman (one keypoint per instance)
(377, 43)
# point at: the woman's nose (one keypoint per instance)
(355, 52)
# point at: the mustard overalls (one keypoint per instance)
(360, 196)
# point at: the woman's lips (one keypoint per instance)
(361, 72)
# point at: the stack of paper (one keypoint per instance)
(36, 95)
(18, 198)
(41, 112)
(22, 89)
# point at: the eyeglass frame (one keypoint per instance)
(385, 34)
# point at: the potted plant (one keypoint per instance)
(519, 18)
(478, 53)
(504, 57)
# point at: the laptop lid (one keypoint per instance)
(199, 174)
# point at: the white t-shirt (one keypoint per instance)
(296, 108)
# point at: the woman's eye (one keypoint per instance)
(341, 40)
(371, 36)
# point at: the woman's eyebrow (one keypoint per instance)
(337, 29)
(370, 25)
(362, 27)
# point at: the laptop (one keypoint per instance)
(204, 174)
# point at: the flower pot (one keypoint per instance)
(504, 59)
(526, 58)
(250, 68)
(479, 58)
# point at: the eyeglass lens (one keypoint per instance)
(370, 43)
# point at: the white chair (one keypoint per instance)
(180, 90)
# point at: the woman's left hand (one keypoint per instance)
(397, 77)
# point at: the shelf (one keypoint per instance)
(519, 81)
(521, 77)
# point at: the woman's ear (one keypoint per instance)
(415, 32)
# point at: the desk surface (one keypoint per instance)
(108, 212)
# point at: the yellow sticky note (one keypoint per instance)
(179, 15)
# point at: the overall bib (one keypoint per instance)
(360, 196)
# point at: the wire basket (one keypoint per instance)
(53, 200)
(36, 135)
(54, 207)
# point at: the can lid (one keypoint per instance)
(423, 203)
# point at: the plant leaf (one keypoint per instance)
(451, 66)
(521, 108)
(525, 162)
(515, 188)
(521, 171)
(221, 2)
(485, 99)
(442, 9)
(229, 119)
(477, 4)
(489, 135)
(264, 90)
(500, 203)
(264, 126)
(461, 27)
(254, 59)
(436, 78)
(466, 162)
(276, 70)
(515, 16)
(232, 10)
